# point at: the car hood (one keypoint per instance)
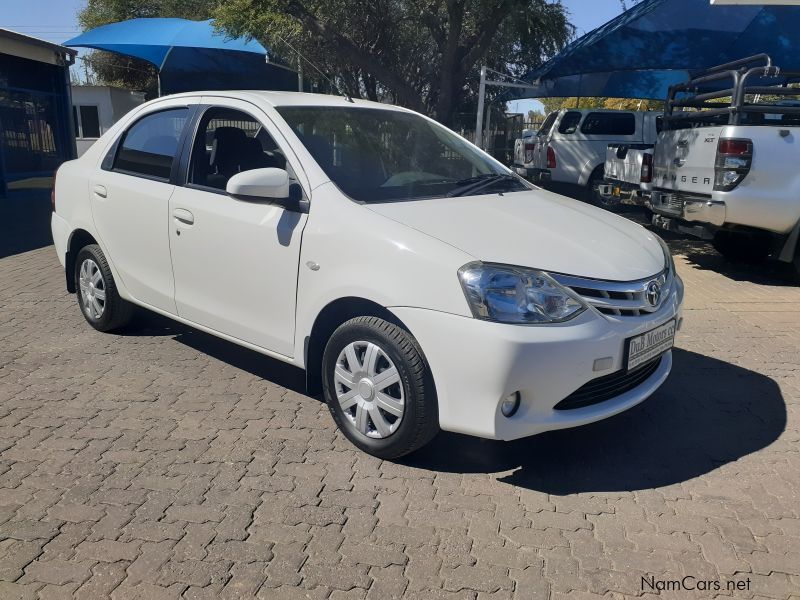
(536, 229)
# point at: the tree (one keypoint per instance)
(551, 104)
(423, 54)
(123, 71)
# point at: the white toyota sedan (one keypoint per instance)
(420, 284)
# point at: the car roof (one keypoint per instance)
(276, 98)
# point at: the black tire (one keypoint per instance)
(741, 247)
(116, 312)
(419, 423)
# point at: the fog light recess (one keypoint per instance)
(510, 405)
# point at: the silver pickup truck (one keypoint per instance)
(725, 166)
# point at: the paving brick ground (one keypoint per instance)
(163, 463)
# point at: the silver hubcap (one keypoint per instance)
(369, 390)
(93, 289)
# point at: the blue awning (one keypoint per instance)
(153, 39)
(657, 43)
(192, 55)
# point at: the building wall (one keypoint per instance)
(112, 104)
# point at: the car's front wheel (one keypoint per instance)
(98, 298)
(378, 387)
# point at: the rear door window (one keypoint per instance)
(609, 123)
(149, 147)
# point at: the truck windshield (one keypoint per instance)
(377, 155)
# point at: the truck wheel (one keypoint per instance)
(100, 303)
(741, 247)
(378, 388)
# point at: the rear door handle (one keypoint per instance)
(183, 215)
(678, 162)
(100, 190)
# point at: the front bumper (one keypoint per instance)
(475, 364)
(697, 209)
(533, 174)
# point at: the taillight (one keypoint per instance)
(529, 148)
(53, 191)
(551, 158)
(647, 168)
(734, 158)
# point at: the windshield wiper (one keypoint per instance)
(475, 184)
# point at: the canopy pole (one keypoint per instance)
(299, 73)
(479, 119)
(158, 77)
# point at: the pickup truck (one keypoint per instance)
(628, 174)
(570, 148)
(726, 170)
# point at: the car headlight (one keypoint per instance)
(517, 295)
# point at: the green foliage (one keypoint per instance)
(424, 54)
(551, 104)
(113, 69)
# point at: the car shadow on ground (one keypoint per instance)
(708, 413)
(146, 323)
(701, 255)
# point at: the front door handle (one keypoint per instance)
(100, 190)
(183, 215)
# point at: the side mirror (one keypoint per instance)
(270, 185)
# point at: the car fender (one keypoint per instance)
(335, 264)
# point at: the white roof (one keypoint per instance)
(274, 98)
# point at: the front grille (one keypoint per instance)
(609, 386)
(618, 298)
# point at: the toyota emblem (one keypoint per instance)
(653, 293)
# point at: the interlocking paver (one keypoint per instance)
(163, 463)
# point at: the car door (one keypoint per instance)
(235, 261)
(130, 202)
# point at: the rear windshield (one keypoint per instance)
(609, 123)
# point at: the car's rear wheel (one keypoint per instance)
(100, 302)
(378, 387)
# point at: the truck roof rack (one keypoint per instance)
(706, 93)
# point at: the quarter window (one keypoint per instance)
(151, 144)
(228, 142)
(569, 122)
(609, 123)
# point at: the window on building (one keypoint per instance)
(150, 145)
(90, 122)
(609, 123)
(86, 120)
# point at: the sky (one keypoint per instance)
(56, 21)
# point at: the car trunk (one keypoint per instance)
(684, 159)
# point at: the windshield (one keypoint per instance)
(376, 155)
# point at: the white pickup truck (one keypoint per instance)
(726, 170)
(628, 173)
(569, 149)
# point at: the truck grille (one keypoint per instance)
(608, 387)
(619, 298)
